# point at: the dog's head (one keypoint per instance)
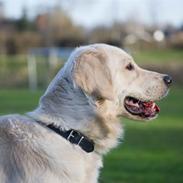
(116, 84)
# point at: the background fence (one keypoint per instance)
(34, 70)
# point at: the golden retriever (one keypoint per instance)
(77, 120)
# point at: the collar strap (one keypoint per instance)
(75, 137)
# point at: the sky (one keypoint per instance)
(90, 13)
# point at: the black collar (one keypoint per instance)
(75, 137)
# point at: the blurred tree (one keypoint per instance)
(113, 35)
(57, 29)
(24, 24)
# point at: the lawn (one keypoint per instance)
(150, 153)
(158, 56)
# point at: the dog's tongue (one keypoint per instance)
(150, 108)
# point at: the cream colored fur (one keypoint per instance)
(86, 95)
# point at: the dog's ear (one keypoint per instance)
(93, 76)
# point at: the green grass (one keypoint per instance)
(18, 101)
(160, 56)
(150, 153)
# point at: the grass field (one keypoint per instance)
(150, 153)
(158, 56)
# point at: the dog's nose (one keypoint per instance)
(167, 79)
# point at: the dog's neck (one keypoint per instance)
(64, 106)
(68, 107)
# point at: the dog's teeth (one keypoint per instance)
(153, 105)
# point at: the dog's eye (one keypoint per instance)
(130, 67)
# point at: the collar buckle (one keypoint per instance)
(75, 136)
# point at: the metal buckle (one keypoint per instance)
(80, 140)
(71, 135)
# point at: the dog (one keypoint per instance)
(77, 119)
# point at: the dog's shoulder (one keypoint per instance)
(14, 128)
(19, 133)
(20, 150)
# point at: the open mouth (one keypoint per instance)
(140, 108)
